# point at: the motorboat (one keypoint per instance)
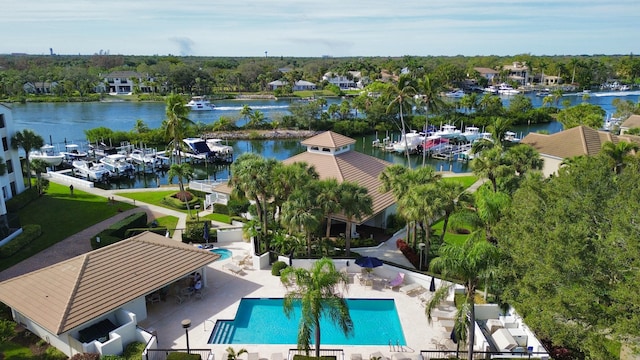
(145, 158)
(448, 131)
(72, 152)
(455, 94)
(506, 89)
(200, 103)
(511, 136)
(216, 146)
(91, 171)
(491, 89)
(196, 148)
(118, 165)
(408, 142)
(47, 154)
(543, 93)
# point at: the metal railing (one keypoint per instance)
(462, 354)
(161, 354)
(338, 353)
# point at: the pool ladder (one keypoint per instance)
(397, 347)
(213, 323)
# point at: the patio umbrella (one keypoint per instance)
(432, 287)
(368, 262)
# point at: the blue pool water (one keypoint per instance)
(262, 321)
(224, 253)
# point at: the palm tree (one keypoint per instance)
(300, 214)
(177, 122)
(468, 262)
(39, 166)
(288, 178)
(430, 94)
(316, 290)
(447, 200)
(183, 172)
(402, 96)
(523, 158)
(251, 177)
(328, 198)
(618, 154)
(28, 141)
(355, 203)
(489, 164)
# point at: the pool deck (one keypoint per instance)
(224, 290)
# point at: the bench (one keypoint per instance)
(233, 268)
(412, 288)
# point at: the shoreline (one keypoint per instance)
(261, 134)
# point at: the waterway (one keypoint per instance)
(60, 122)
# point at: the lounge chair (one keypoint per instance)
(233, 268)
(377, 356)
(413, 289)
(395, 282)
(253, 356)
(356, 356)
(277, 356)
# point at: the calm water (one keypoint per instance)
(60, 122)
(262, 321)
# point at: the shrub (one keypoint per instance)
(7, 330)
(221, 209)
(21, 200)
(408, 252)
(52, 353)
(134, 350)
(85, 356)
(117, 231)
(237, 206)
(183, 356)
(194, 233)
(29, 233)
(135, 231)
(173, 200)
(277, 267)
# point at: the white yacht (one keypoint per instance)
(146, 158)
(47, 154)
(118, 165)
(72, 152)
(200, 103)
(408, 141)
(455, 94)
(216, 146)
(91, 171)
(506, 89)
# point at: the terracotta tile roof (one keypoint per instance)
(632, 121)
(350, 166)
(69, 294)
(580, 140)
(328, 139)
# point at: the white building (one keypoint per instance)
(352, 81)
(11, 181)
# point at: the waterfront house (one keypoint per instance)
(487, 73)
(126, 83)
(40, 87)
(351, 80)
(300, 85)
(632, 121)
(577, 141)
(518, 72)
(11, 182)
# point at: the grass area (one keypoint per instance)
(218, 217)
(449, 237)
(155, 198)
(169, 222)
(466, 181)
(61, 215)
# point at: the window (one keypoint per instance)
(14, 190)
(1, 121)
(5, 144)
(9, 166)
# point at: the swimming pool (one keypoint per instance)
(262, 321)
(224, 253)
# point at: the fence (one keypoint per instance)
(161, 354)
(338, 353)
(462, 354)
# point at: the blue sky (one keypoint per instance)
(304, 28)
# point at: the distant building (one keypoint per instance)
(11, 182)
(345, 82)
(518, 72)
(39, 87)
(487, 73)
(300, 85)
(126, 82)
(632, 121)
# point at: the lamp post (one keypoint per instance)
(186, 324)
(197, 207)
(421, 246)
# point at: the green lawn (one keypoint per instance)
(466, 181)
(169, 222)
(154, 198)
(61, 215)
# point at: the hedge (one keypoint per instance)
(29, 233)
(117, 231)
(277, 267)
(183, 356)
(135, 231)
(172, 201)
(194, 233)
(23, 199)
